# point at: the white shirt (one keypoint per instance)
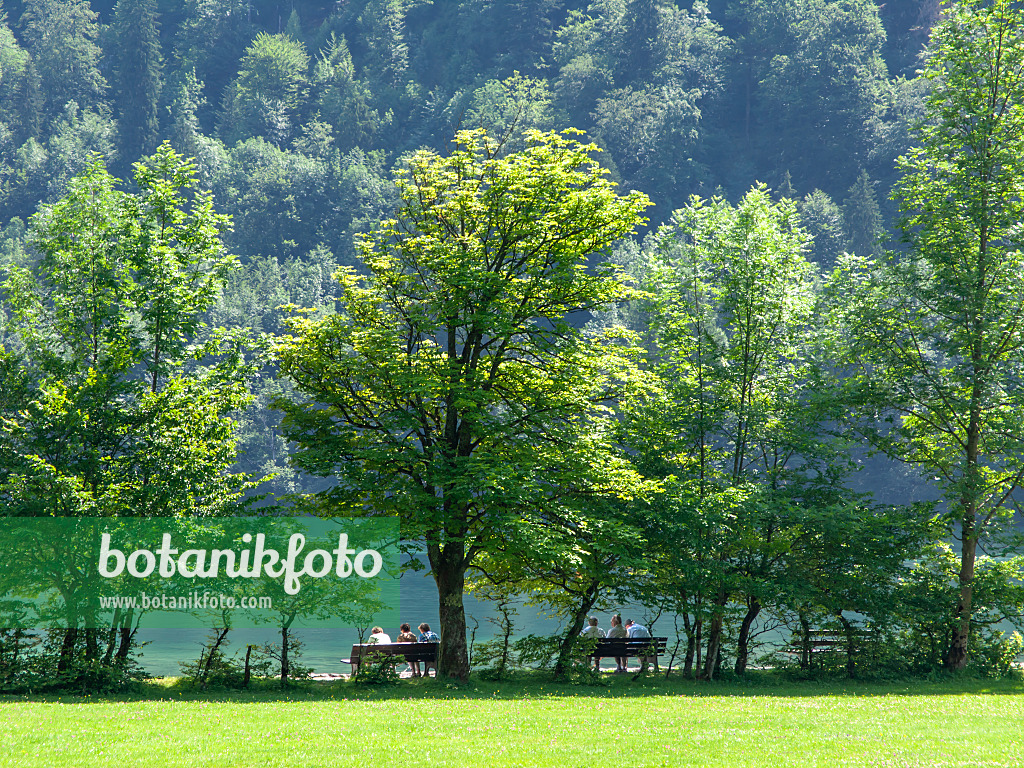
(380, 637)
(592, 631)
(637, 630)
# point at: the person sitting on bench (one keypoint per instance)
(592, 631)
(426, 636)
(405, 635)
(378, 635)
(618, 632)
(639, 632)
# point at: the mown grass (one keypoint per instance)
(532, 723)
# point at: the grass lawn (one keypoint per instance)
(431, 723)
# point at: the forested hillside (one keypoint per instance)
(297, 112)
(607, 301)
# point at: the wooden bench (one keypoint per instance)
(426, 653)
(819, 641)
(641, 647)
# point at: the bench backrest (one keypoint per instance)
(412, 651)
(629, 646)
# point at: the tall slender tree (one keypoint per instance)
(938, 331)
(136, 76)
(61, 36)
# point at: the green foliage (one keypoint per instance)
(820, 78)
(270, 87)
(754, 512)
(936, 335)
(61, 36)
(458, 394)
(342, 100)
(287, 654)
(383, 24)
(111, 421)
(682, 101)
(15, 70)
(862, 219)
(511, 106)
(823, 221)
(82, 661)
(378, 669)
(136, 76)
(214, 668)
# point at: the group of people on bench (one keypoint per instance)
(629, 631)
(405, 635)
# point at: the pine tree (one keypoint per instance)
(862, 218)
(188, 100)
(293, 28)
(786, 189)
(61, 36)
(384, 25)
(136, 75)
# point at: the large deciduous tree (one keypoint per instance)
(269, 89)
(451, 388)
(111, 421)
(938, 331)
(730, 327)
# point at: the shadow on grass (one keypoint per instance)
(540, 686)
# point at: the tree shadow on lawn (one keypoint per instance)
(538, 686)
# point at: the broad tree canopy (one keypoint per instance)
(451, 388)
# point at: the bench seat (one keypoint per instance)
(641, 647)
(426, 653)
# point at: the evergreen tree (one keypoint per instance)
(14, 74)
(823, 221)
(343, 100)
(387, 60)
(61, 36)
(136, 76)
(786, 189)
(862, 220)
(293, 28)
(187, 102)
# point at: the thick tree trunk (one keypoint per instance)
(743, 641)
(67, 649)
(691, 651)
(450, 575)
(956, 657)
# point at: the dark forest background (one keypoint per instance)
(297, 113)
